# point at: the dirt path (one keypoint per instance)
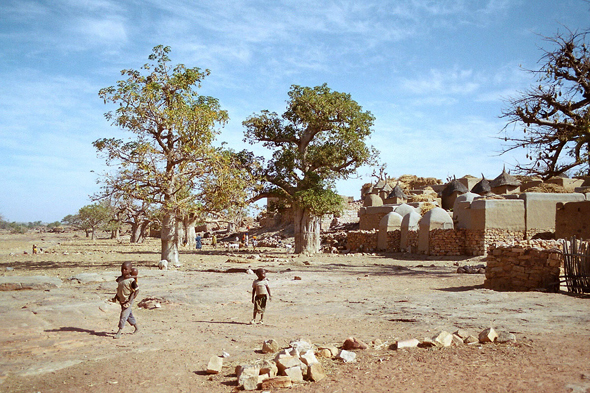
(60, 339)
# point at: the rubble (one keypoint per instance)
(488, 335)
(215, 365)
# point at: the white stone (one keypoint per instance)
(347, 356)
(411, 343)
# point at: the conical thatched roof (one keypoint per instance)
(397, 192)
(380, 184)
(505, 179)
(454, 186)
(483, 187)
(387, 188)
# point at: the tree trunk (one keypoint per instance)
(135, 233)
(93, 231)
(169, 238)
(116, 234)
(307, 232)
(143, 230)
(190, 233)
(231, 227)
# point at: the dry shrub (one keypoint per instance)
(414, 182)
(422, 198)
(548, 188)
(426, 207)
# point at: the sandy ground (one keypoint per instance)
(61, 339)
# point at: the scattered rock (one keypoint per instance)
(300, 346)
(215, 365)
(443, 339)
(244, 372)
(463, 334)
(457, 341)
(470, 340)
(270, 346)
(315, 372)
(308, 358)
(297, 278)
(276, 383)
(427, 343)
(270, 368)
(506, 337)
(347, 356)
(324, 353)
(488, 335)
(352, 343)
(295, 374)
(411, 343)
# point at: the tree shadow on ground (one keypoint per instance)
(463, 288)
(42, 265)
(79, 330)
(378, 270)
(224, 322)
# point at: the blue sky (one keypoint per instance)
(434, 74)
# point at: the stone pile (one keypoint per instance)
(460, 337)
(296, 363)
(472, 269)
(524, 265)
(301, 360)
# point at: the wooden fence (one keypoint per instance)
(576, 265)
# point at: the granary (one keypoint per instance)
(461, 214)
(390, 222)
(468, 181)
(482, 187)
(404, 209)
(450, 193)
(373, 200)
(436, 218)
(410, 224)
(505, 184)
(385, 191)
(396, 196)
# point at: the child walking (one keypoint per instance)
(260, 294)
(127, 290)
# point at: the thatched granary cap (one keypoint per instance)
(483, 187)
(505, 179)
(380, 184)
(387, 188)
(397, 192)
(454, 186)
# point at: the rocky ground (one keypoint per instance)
(57, 336)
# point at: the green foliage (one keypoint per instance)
(94, 216)
(174, 128)
(321, 138)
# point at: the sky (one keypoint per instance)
(436, 75)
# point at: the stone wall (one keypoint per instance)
(393, 240)
(475, 242)
(412, 241)
(362, 241)
(446, 242)
(524, 266)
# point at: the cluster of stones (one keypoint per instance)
(524, 266)
(460, 337)
(297, 363)
(365, 241)
(476, 269)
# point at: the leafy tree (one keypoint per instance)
(319, 139)
(553, 116)
(93, 217)
(174, 129)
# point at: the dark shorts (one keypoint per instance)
(260, 303)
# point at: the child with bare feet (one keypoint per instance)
(127, 290)
(260, 294)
